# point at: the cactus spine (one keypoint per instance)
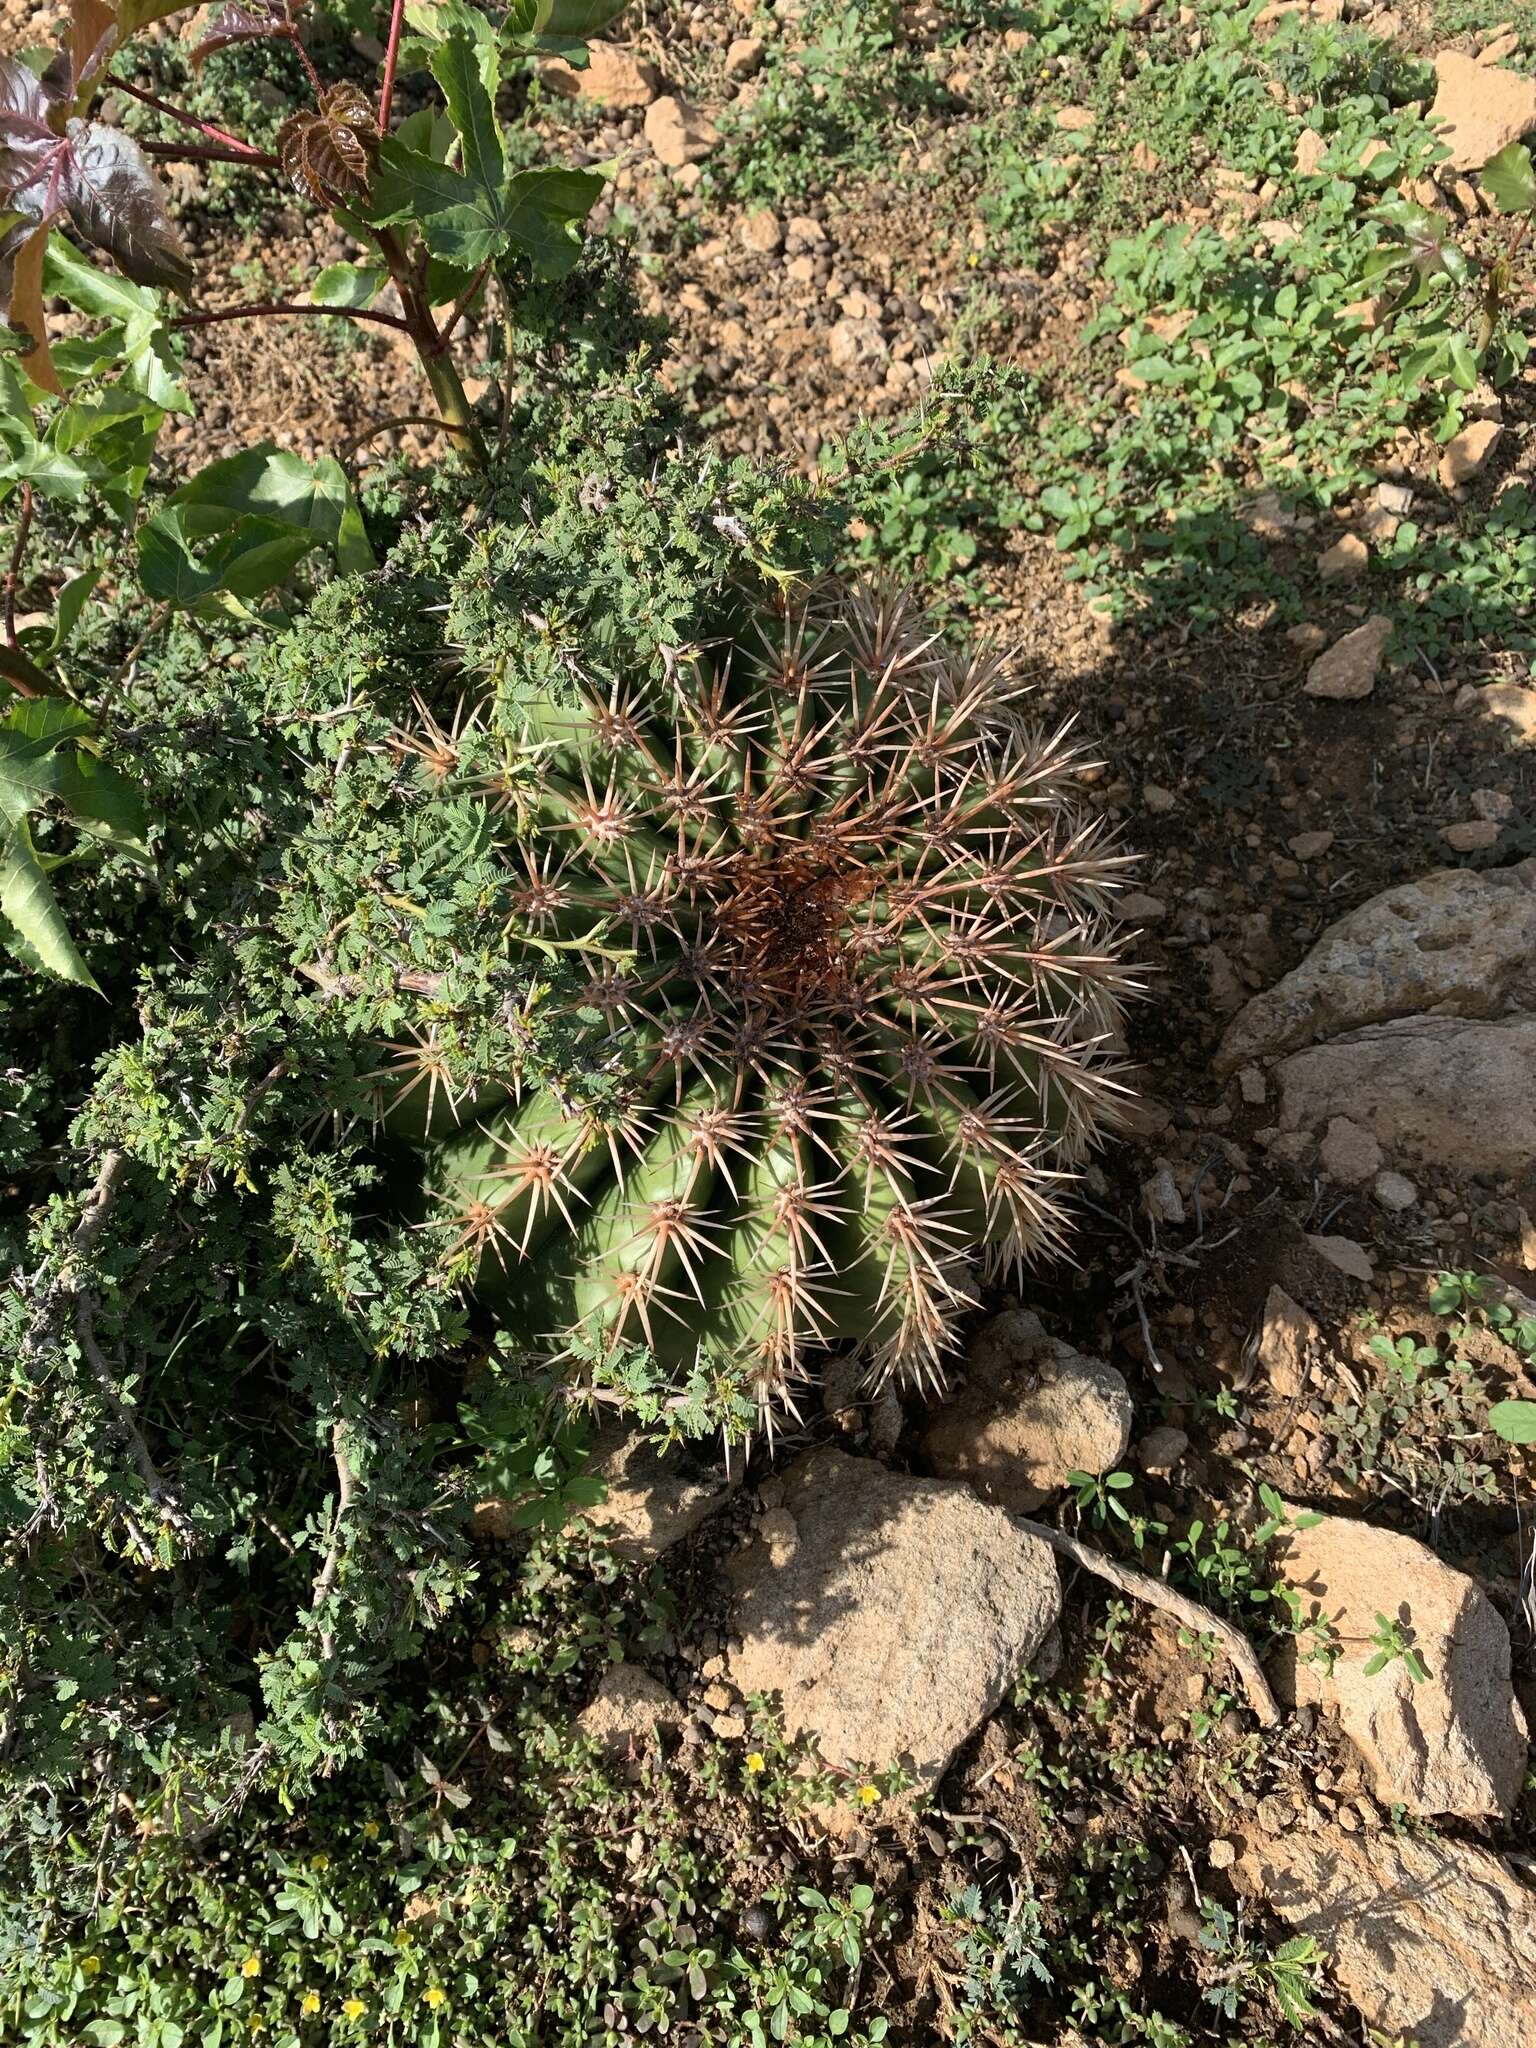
(865, 989)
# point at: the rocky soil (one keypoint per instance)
(1338, 1068)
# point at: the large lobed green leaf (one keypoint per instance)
(472, 212)
(259, 513)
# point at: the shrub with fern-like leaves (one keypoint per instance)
(852, 950)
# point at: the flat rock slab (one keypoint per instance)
(1433, 1941)
(1479, 108)
(1457, 942)
(1433, 1091)
(890, 1614)
(1453, 1742)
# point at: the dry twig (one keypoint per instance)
(1158, 1593)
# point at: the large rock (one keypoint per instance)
(1434, 1942)
(1511, 706)
(1347, 671)
(1458, 942)
(1288, 1343)
(612, 78)
(890, 1614)
(1479, 108)
(652, 1501)
(1434, 1091)
(1453, 1742)
(1031, 1411)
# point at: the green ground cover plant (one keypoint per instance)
(489, 1875)
(401, 878)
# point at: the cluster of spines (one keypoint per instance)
(866, 1004)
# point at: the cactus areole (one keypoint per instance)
(858, 968)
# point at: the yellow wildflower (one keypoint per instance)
(320, 1862)
(353, 2008)
(435, 1995)
(756, 1761)
(869, 1795)
(371, 1830)
(251, 1967)
(91, 1965)
(310, 2002)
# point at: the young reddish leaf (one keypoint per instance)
(91, 39)
(328, 154)
(242, 21)
(116, 203)
(21, 305)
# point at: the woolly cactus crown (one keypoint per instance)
(858, 966)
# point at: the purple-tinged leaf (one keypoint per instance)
(116, 203)
(329, 154)
(32, 154)
(24, 99)
(243, 21)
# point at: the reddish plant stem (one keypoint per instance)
(13, 573)
(316, 82)
(391, 58)
(210, 153)
(242, 149)
(269, 307)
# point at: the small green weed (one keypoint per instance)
(1392, 1643)
(1291, 1974)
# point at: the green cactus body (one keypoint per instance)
(869, 988)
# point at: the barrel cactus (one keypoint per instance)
(847, 931)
